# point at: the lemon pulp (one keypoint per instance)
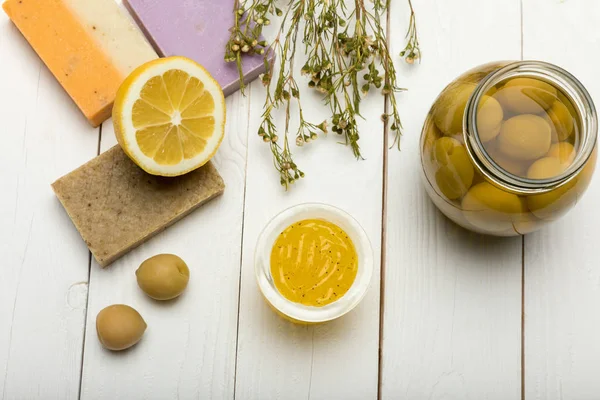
(313, 262)
(173, 117)
(169, 116)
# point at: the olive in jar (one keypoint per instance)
(526, 96)
(564, 151)
(491, 209)
(489, 118)
(525, 137)
(516, 167)
(449, 109)
(561, 121)
(455, 172)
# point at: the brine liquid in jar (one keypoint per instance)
(513, 157)
(538, 134)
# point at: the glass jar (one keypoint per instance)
(508, 147)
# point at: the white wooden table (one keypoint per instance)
(450, 314)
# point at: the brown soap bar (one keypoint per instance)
(116, 206)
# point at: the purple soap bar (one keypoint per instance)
(197, 29)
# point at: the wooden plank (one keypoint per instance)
(188, 350)
(338, 360)
(452, 320)
(562, 278)
(44, 268)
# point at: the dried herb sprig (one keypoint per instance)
(412, 51)
(345, 46)
(246, 33)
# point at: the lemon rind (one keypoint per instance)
(130, 92)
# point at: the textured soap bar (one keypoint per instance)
(116, 206)
(89, 45)
(196, 29)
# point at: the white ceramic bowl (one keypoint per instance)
(299, 312)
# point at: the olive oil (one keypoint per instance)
(313, 262)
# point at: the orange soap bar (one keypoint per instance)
(89, 46)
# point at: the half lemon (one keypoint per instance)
(169, 116)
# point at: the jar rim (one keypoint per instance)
(570, 86)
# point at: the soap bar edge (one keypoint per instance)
(249, 77)
(106, 262)
(253, 66)
(97, 119)
(142, 27)
(97, 113)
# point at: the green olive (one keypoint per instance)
(428, 137)
(490, 209)
(526, 96)
(489, 118)
(560, 120)
(454, 175)
(449, 108)
(119, 327)
(163, 277)
(545, 168)
(552, 204)
(515, 167)
(564, 151)
(430, 134)
(524, 137)
(568, 103)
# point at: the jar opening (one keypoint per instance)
(575, 93)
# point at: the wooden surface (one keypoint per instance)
(462, 316)
(452, 320)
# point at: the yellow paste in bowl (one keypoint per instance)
(313, 262)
